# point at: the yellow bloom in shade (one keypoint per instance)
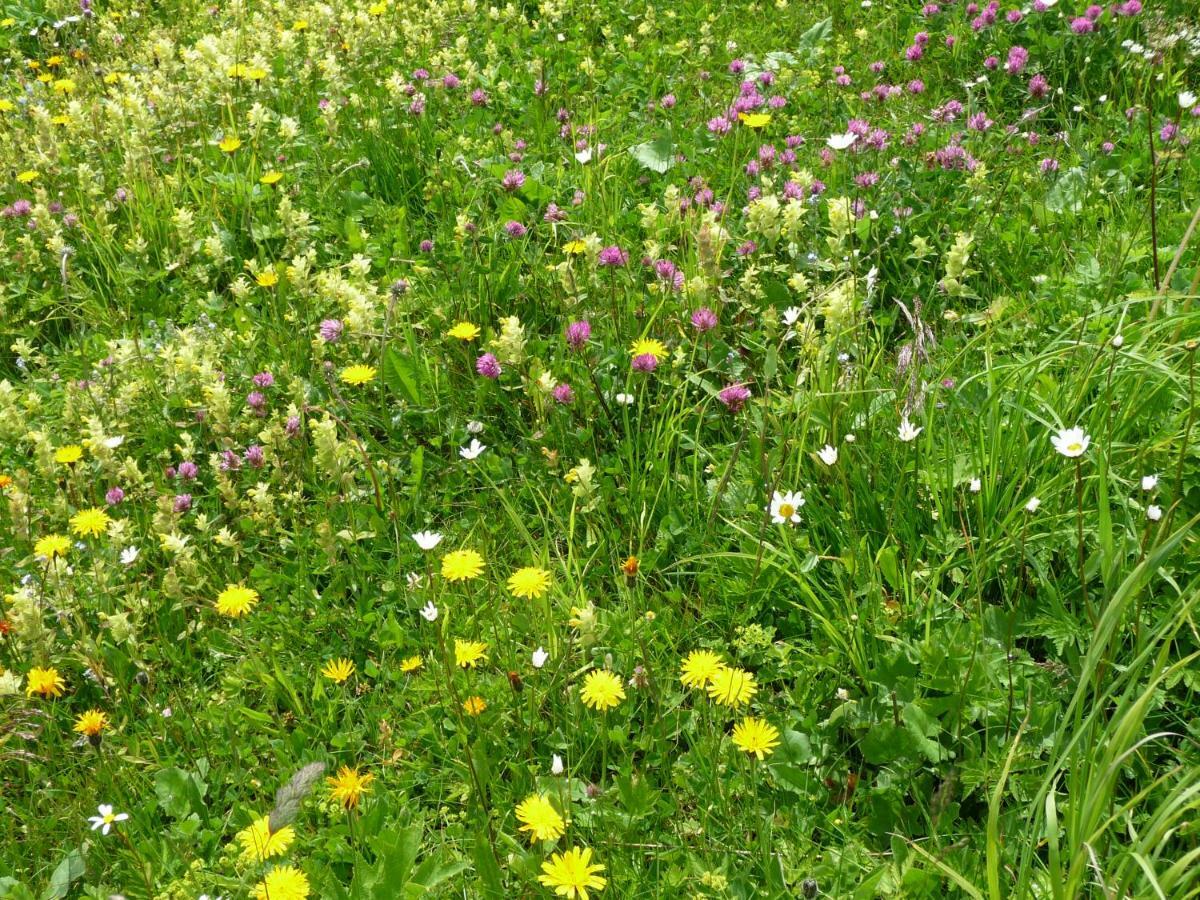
(574, 248)
(52, 545)
(469, 654)
(90, 522)
(572, 874)
(358, 375)
(64, 86)
(283, 883)
(259, 843)
(732, 687)
(28, 176)
(538, 816)
(236, 600)
(229, 143)
(699, 668)
(91, 723)
(44, 682)
(462, 565)
(338, 670)
(602, 690)
(756, 737)
(464, 331)
(412, 663)
(266, 278)
(754, 120)
(300, 25)
(68, 455)
(271, 177)
(648, 347)
(529, 582)
(474, 706)
(377, 9)
(348, 786)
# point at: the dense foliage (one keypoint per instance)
(698, 450)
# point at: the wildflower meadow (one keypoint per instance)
(599, 450)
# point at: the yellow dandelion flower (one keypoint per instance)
(266, 278)
(474, 706)
(7, 106)
(230, 143)
(411, 664)
(52, 545)
(464, 331)
(236, 600)
(259, 843)
(529, 582)
(756, 737)
(357, 375)
(574, 248)
(462, 565)
(338, 670)
(91, 723)
(28, 176)
(602, 690)
(44, 682)
(699, 668)
(64, 86)
(348, 786)
(754, 120)
(538, 816)
(648, 347)
(300, 25)
(90, 522)
(68, 455)
(283, 883)
(469, 654)
(572, 874)
(377, 9)
(271, 177)
(731, 687)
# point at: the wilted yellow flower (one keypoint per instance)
(348, 786)
(474, 706)
(91, 723)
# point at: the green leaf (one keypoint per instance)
(69, 870)
(401, 376)
(179, 793)
(811, 40)
(656, 155)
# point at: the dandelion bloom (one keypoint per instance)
(338, 670)
(538, 816)
(230, 143)
(732, 687)
(358, 375)
(462, 565)
(411, 663)
(348, 786)
(91, 723)
(474, 705)
(259, 843)
(52, 545)
(529, 582)
(68, 455)
(90, 522)
(699, 667)
(283, 883)
(271, 177)
(266, 278)
(464, 331)
(572, 873)
(756, 737)
(648, 347)
(602, 690)
(1071, 442)
(469, 654)
(44, 682)
(236, 600)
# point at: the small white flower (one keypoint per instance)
(791, 316)
(474, 427)
(556, 765)
(1149, 482)
(1153, 513)
(1071, 442)
(1118, 341)
(427, 540)
(624, 399)
(129, 556)
(1187, 99)
(104, 821)
(828, 454)
(843, 694)
(167, 712)
(112, 443)
(539, 657)
(429, 612)
(786, 507)
(841, 141)
(976, 485)
(850, 438)
(1033, 504)
(907, 431)
(414, 580)
(472, 451)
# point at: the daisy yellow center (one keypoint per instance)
(787, 510)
